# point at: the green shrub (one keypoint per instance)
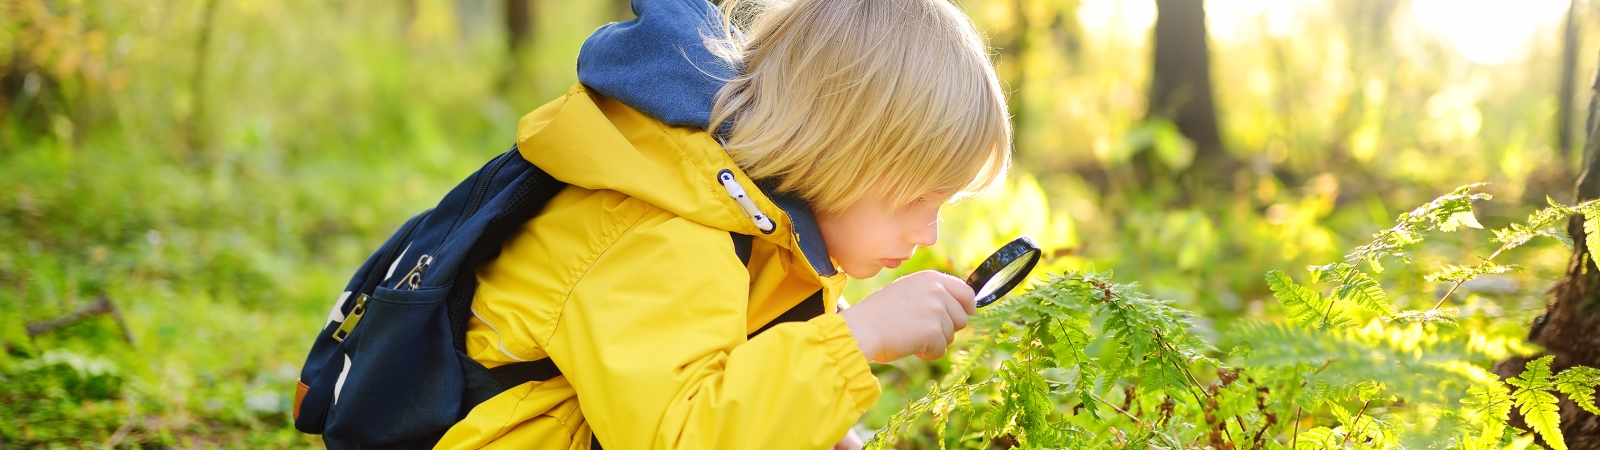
(1081, 361)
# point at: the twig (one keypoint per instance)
(122, 431)
(1342, 281)
(1356, 421)
(1135, 420)
(1168, 347)
(101, 305)
(1297, 410)
(1459, 282)
(1293, 438)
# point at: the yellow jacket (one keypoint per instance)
(629, 282)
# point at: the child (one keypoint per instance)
(844, 124)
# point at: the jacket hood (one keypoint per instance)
(658, 65)
(594, 142)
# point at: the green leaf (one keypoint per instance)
(1493, 403)
(1441, 316)
(1307, 308)
(1537, 405)
(1460, 219)
(1591, 234)
(1364, 291)
(1317, 439)
(1454, 273)
(1579, 383)
(1557, 233)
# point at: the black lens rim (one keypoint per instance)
(1021, 247)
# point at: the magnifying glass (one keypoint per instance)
(1004, 270)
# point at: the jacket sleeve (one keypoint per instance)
(652, 338)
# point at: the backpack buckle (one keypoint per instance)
(350, 320)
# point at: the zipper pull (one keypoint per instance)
(351, 319)
(413, 278)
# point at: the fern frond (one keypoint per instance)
(1454, 273)
(1542, 223)
(1306, 307)
(1557, 233)
(1441, 316)
(1445, 213)
(1460, 219)
(1318, 438)
(1355, 286)
(1579, 383)
(1492, 403)
(1537, 405)
(1591, 234)
(1418, 370)
(939, 402)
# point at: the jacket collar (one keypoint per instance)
(807, 234)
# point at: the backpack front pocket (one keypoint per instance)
(400, 375)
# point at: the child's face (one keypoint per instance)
(873, 234)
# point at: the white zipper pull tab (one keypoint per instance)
(736, 191)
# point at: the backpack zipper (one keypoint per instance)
(413, 279)
(360, 308)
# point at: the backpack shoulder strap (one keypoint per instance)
(741, 246)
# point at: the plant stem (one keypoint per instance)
(1458, 283)
(1343, 281)
(1296, 436)
(1165, 345)
(1135, 420)
(1355, 421)
(1297, 410)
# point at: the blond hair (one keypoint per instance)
(836, 98)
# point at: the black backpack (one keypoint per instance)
(389, 368)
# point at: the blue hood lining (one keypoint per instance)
(807, 234)
(658, 64)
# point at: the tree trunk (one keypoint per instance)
(519, 30)
(1180, 82)
(519, 25)
(1568, 329)
(194, 125)
(1569, 64)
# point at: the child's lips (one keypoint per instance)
(891, 263)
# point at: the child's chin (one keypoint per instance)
(862, 273)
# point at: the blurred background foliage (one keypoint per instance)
(185, 184)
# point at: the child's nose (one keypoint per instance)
(925, 235)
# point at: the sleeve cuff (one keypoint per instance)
(860, 385)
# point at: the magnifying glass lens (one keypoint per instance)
(1004, 270)
(1010, 272)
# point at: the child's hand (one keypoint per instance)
(918, 313)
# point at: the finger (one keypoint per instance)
(959, 290)
(947, 327)
(957, 313)
(885, 355)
